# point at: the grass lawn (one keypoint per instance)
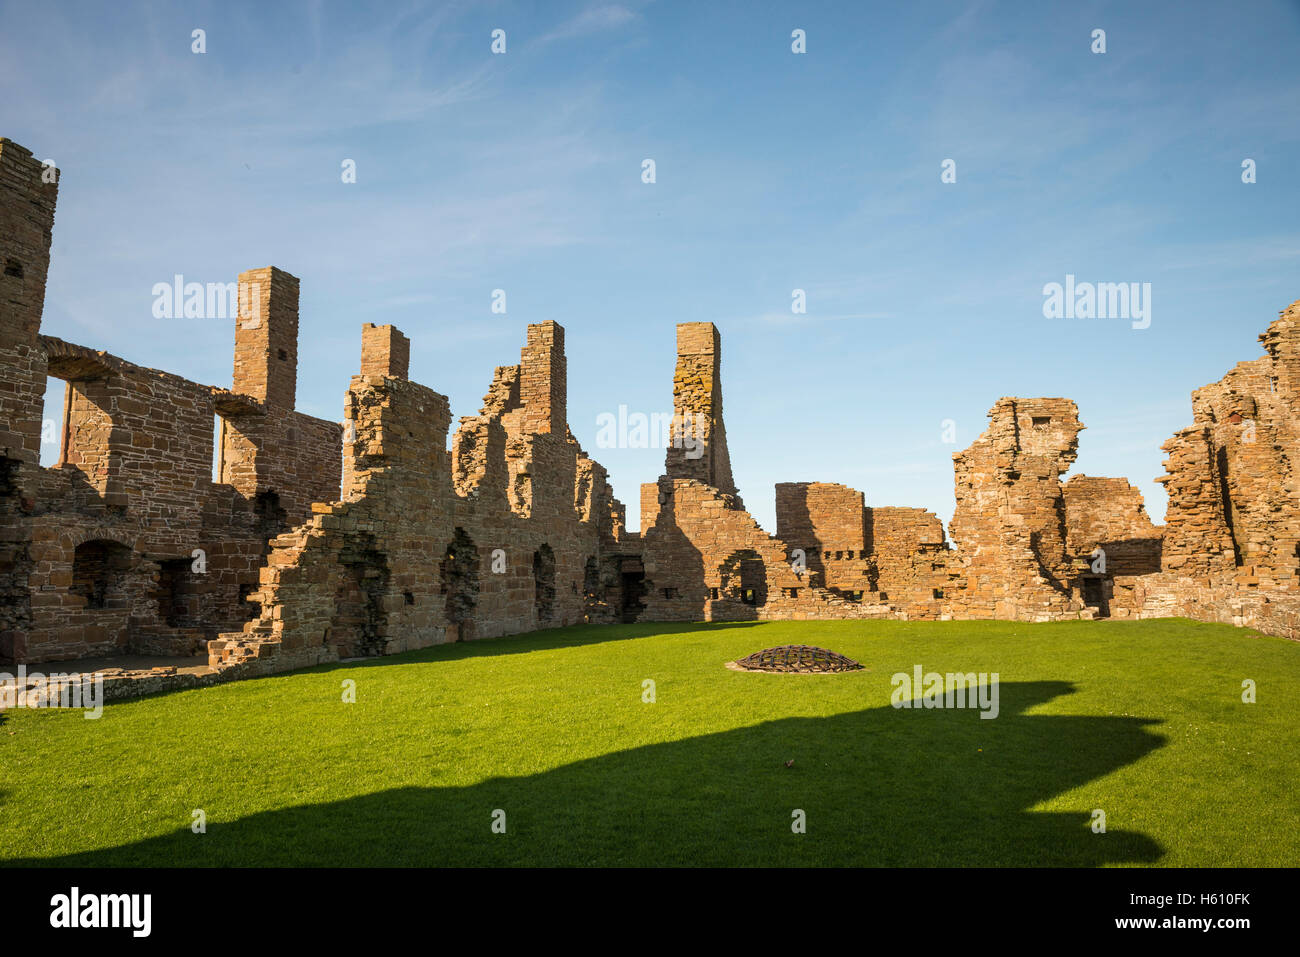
(1143, 720)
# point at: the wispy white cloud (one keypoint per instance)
(598, 19)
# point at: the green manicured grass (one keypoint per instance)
(1143, 720)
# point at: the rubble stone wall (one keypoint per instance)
(126, 545)
(1231, 550)
(28, 193)
(499, 536)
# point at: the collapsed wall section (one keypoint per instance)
(1231, 550)
(1009, 525)
(1114, 542)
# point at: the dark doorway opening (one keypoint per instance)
(1094, 595)
(460, 568)
(632, 588)
(177, 603)
(269, 518)
(544, 584)
(591, 591)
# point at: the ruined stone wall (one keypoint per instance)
(704, 555)
(1009, 524)
(27, 202)
(1231, 550)
(515, 527)
(1197, 541)
(1113, 543)
(499, 536)
(136, 461)
(828, 522)
(708, 559)
(136, 470)
(1109, 513)
(912, 558)
(1232, 482)
(126, 544)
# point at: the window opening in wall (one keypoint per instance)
(54, 422)
(218, 441)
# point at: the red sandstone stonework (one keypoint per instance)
(505, 525)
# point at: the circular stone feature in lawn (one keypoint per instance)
(796, 659)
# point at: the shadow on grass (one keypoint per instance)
(881, 786)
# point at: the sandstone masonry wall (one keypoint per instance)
(126, 545)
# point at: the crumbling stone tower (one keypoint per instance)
(1234, 489)
(27, 201)
(705, 555)
(1010, 521)
(699, 449)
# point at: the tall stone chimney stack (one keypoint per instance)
(699, 438)
(266, 337)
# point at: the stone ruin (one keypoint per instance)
(322, 540)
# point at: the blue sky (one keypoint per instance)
(775, 171)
